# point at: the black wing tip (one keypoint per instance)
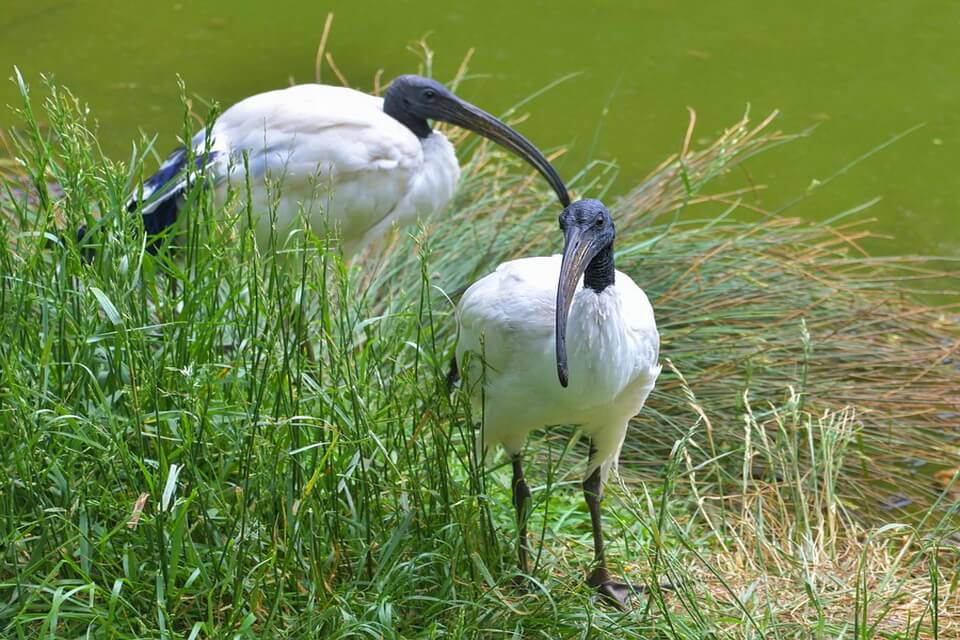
(453, 375)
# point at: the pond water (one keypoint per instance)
(863, 72)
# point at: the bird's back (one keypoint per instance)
(344, 129)
(330, 151)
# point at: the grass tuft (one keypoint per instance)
(175, 467)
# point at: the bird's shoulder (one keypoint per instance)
(519, 296)
(524, 278)
(535, 274)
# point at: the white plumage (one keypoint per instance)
(332, 153)
(507, 322)
(339, 157)
(515, 327)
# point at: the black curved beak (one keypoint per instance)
(579, 248)
(463, 114)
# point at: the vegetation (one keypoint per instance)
(175, 466)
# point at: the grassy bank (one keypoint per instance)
(174, 467)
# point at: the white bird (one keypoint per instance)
(514, 326)
(344, 158)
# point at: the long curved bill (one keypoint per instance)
(578, 250)
(463, 114)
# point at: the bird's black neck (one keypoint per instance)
(600, 272)
(394, 108)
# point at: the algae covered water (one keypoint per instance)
(860, 73)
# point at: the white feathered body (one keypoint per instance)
(507, 323)
(332, 153)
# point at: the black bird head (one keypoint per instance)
(587, 251)
(414, 100)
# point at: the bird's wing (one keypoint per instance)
(509, 312)
(327, 142)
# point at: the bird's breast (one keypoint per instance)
(610, 344)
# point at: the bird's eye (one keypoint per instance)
(599, 221)
(429, 94)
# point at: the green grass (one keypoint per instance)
(175, 467)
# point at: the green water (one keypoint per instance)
(862, 71)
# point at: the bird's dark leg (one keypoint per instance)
(294, 323)
(521, 501)
(616, 592)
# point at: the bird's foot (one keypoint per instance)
(616, 593)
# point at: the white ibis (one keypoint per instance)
(343, 157)
(514, 324)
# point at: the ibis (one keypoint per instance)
(341, 157)
(515, 326)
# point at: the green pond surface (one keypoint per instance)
(861, 71)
